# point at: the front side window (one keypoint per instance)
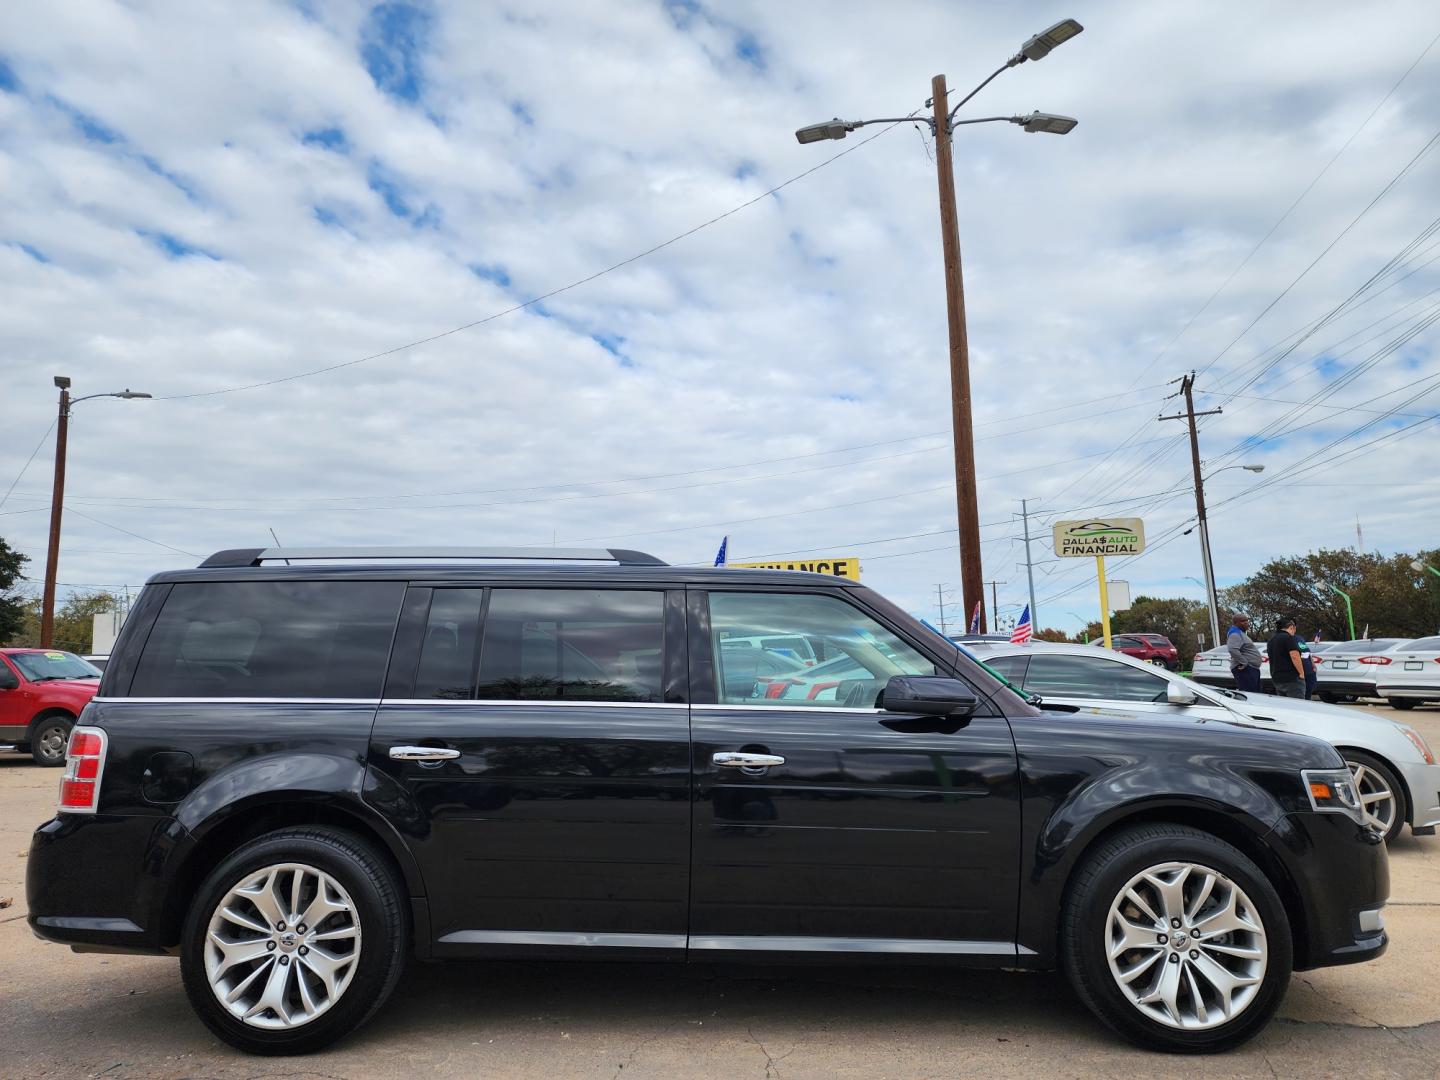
(572, 645)
(861, 655)
(1092, 677)
(283, 639)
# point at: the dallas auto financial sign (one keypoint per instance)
(1092, 536)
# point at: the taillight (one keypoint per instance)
(818, 687)
(1199, 656)
(1381, 660)
(775, 689)
(1317, 660)
(84, 763)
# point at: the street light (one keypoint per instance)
(57, 499)
(1420, 566)
(942, 125)
(1203, 523)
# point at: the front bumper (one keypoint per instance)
(1423, 784)
(1342, 875)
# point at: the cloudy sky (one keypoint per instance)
(307, 228)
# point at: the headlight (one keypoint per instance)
(1426, 754)
(1332, 791)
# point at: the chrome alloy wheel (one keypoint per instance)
(1376, 798)
(1186, 946)
(282, 946)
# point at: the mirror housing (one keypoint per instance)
(929, 695)
(8, 681)
(1176, 694)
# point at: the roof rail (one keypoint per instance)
(233, 557)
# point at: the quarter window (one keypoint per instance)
(447, 654)
(1091, 677)
(286, 639)
(861, 655)
(572, 645)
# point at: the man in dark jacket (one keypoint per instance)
(1244, 655)
(1287, 667)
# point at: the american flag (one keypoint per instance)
(975, 619)
(720, 555)
(1023, 631)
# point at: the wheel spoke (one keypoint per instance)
(1207, 886)
(1172, 892)
(1226, 919)
(322, 906)
(1244, 952)
(1135, 937)
(238, 990)
(325, 967)
(344, 933)
(1130, 974)
(1376, 796)
(1141, 903)
(297, 882)
(273, 996)
(239, 918)
(237, 952)
(262, 895)
(1223, 980)
(302, 983)
(1166, 992)
(1201, 1009)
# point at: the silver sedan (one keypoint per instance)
(1412, 676)
(1394, 769)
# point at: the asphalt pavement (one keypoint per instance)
(118, 1017)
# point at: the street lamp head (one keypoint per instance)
(62, 381)
(1253, 468)
(831, 129)
(127, 394)
(1046, 122)
(1039, 46)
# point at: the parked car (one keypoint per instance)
(1349, 668)
(97, 660)
(1152, 648)
(1395, 770)
(1412, 677)
(296, 776)
(41, 693)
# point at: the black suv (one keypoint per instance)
(296, 776)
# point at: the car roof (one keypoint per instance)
(402, 570)
(984, 649)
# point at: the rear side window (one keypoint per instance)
(283, 639)
(447, 655)
(572, 645)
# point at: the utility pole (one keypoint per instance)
(1029, 568)
(940, 603)
(57, 502)
(994, 612)
(1187, 386)
(972, 588)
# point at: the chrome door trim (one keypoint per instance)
(787, 943)
(564, 938)
(535, 702)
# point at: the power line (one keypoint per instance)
(23, 468)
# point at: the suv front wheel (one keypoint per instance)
(294, 941)
(1176, 940)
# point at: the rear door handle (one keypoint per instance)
(422, 753)
(732, 760)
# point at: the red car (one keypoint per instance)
(1152, 648)
(41, 693)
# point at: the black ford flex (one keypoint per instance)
(297, 776)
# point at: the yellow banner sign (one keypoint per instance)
(846, 566)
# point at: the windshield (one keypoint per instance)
(42, 666)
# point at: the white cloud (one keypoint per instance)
(547, 143)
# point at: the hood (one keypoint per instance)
(1297, 711)
(89, 685)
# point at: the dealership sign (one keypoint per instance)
(846, 566)
(1096, 537)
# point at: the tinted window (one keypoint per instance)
(865, 654)
(287, 639)
(447, 653)
(1011, 667)
(1091, 677)
(572, 645)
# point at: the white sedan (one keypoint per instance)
(1412, 676)
(1394, 769)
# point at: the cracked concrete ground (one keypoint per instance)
(117, 1017)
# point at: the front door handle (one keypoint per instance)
(422, 753)
(731, 760)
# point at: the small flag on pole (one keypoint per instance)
(975, 619)
(1023, 631)
(720, 555)
(1316, 638)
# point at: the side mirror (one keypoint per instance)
(1176, 694)
(8, 681)
(930, 695)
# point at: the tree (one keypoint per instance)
(1182, 621)
(1388, 595)
(74, 621)
(12, 605)
(1051, 634)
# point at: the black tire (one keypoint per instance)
(1392, 783)
(1403, 704)
(48, 738)
(1098, 883)
(379, 908)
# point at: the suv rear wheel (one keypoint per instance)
(1176, 940)
(48, 737)
(294, 941)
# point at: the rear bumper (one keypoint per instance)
(1347, 685)
(1413, 691)
(87, 885)
(1342, 874)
